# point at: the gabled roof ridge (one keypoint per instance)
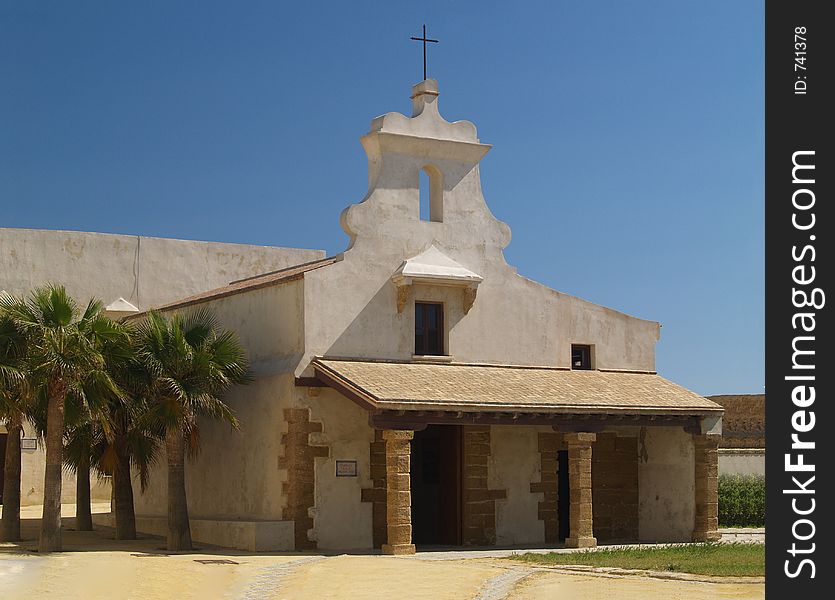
(251, 283)
(313, 264)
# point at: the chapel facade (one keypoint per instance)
(416, 391)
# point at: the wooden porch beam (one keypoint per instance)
(309, 382)
(399, 419)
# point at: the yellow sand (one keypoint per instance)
(95, 566)
(376, 577)
(557, 585)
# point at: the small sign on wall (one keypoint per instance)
(346, 468)
(29, 443)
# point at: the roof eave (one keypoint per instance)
(368, 400)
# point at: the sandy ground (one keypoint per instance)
(541, 586)
(95, 566)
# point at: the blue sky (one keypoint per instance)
(628, 138)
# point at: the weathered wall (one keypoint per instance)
(666, 485)
(32, 465)
(513, 320)
(514, 465)
(614, 477)
(146, 271)
(741, 461)
(341, 519)
(237, 474)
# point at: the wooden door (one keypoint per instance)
(563, 493)
(451, 484)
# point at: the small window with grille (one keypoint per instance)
(580, 357)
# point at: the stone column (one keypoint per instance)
(398, 493)
(579, 485)
(706, 523)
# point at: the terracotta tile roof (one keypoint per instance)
(251, 283)
(455, 386)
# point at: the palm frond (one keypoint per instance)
(189, 363)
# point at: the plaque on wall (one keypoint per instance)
(346, 468)
(29, 443)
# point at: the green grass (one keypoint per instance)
(701, 559)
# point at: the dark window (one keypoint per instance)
(580, 357)
(429, 328)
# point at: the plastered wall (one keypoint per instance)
(666, 492)
(514, 464)
(341, 520)
(32, 465)
(745, 461)
(146, 271)
(236, 474)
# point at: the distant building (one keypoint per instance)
(742, 449)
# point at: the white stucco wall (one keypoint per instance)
(341, 520)
(514, 464)
(146, 271)
(236, 474)
(666, 493)
(741, 461)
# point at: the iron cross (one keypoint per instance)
(424, 39)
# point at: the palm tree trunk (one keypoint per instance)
(123, 493)
(83, 513)
(179, 532)
(50, 540)
(10, 523)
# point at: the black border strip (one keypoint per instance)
(799, 113)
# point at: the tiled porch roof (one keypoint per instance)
(479, 387)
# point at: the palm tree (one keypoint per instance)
(12, 410)
(92, 437)
(78, 443)
(131, 443)
(190, 363)
(64, 359)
